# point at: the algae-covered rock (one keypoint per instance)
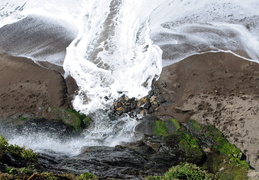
(184, 171)
(69, 117)
(191, 148)
(157, 127)
(223, 158)
(13, 155)
(199, 144)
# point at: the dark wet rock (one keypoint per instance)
(11, 161)
(153, 126)
(51, 127)
(138, 108)
(69, 117)
(2, 167)
(160, 99)
(150, 117)
(56, 121)
(150, 156)
(115, 162)
(151, 110)
(146, 127)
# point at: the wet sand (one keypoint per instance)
(25, 86)
(219, 89)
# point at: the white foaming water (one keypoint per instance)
(121, 45)
(102, 133)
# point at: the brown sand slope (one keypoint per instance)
(219, 89)
(25, 86)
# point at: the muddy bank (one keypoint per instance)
(215, 88)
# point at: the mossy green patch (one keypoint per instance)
(226, 169)
(186, 171)
(16, 151)
(160, 129)
(165, 128)
(190, 147)
(69, 117)
(87, 176)
(224, 147)
(221, 144)
(175, 123)
(195, 125)
(21, 171)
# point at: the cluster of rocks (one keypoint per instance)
(138, 108)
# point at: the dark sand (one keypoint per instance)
(25, 86)
(219, 89)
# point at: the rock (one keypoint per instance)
(153, 126)
(151, 110)
(160, 99)
(147, 105)
(142, 101)
(69, 117)
(52, 127)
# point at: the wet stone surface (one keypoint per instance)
(138, 108)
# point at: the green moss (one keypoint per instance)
(222, 145)
(86, 121)
(16, 151)
(69, 117)
(20, 171)
(11, 170)
(21, 153)
(3, 142)
(226, 169)
(185, 171)
(160, 129)
(226, 148)
(87, 176)
(190, 147)
(176, 124)
(165, 128)
(195, 125)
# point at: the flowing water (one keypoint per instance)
(120, 46)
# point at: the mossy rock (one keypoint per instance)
(209, 136)
(69, 117)
(16, 155)
(165, 128)
(190, 147)
(157, 127)
(226, 169)
(186, 171)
